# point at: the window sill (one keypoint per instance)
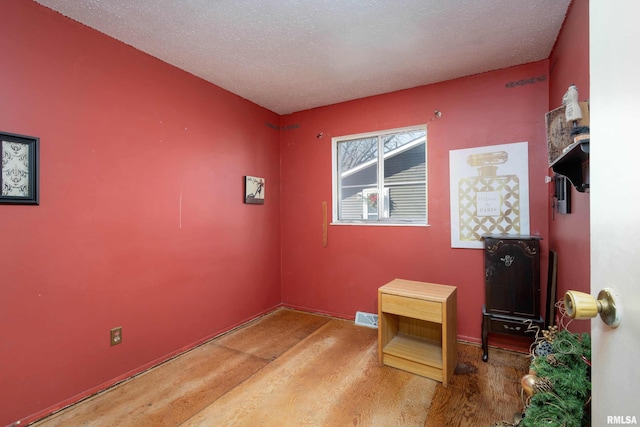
(382, 224)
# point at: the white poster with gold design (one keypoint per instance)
(489, 192)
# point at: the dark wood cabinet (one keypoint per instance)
(512, 287)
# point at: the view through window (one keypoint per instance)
(381, 177)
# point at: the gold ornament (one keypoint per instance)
(550, 334)
(528, 382)
(531, 384)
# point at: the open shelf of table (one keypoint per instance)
(416, 349)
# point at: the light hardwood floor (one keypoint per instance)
(480, 393)
(298, 369)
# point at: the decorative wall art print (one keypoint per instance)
(558, 133)
(489, 193)
(19, 170)
(559, 130)
(254, 190)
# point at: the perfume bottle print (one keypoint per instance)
(488, 203)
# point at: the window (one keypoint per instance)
(399, 156)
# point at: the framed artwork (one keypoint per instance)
(254, 190)
(19, 171)
(559, 131)
(489, 188)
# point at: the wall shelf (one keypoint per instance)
(574, 164)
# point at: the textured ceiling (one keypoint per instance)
(292, 55)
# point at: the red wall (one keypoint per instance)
(570, 237)
(141, 222)
(343, 278)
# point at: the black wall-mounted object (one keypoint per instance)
(562, 194)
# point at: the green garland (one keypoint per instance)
(568, 372)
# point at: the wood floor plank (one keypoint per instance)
(270, 336)
(480, 393)
(290, 368)
(173, 392)
(166, 395)
(331, 379)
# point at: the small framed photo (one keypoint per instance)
(19, 172)
(254, 190)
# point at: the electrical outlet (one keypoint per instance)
(116, 335)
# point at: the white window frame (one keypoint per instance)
(384, 218)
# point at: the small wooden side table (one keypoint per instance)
(417, 328)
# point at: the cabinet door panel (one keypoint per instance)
(498, 294)
(512, 284)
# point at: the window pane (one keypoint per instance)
(356, 153)
(405, 174)
(400, 195)
(408, 202)
(397, 140)
(357, 171)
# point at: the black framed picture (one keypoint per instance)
(19, 172)
(254, 190)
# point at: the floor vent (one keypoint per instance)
(367, 319)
